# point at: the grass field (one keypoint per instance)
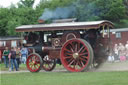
(2, 67)
(66, 78)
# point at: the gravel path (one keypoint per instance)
(106, 67)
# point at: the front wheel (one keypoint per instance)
(76, 55)
(48, 63)
(34, 62)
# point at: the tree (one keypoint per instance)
(20, 16)
(26, 3)
(86, 10)
(113, 10)
(126, 5)
(12, 17)
(4, 17)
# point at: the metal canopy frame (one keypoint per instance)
(64, 26)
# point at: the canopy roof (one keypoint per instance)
(64, 26)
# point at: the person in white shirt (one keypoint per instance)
(111, 58)
(116, 52)
(122, 53)
(126, 48)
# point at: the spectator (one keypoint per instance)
(24, 54)
(116, 52)
(0, 56)
(110, 58)
(12, 57)
(5, 54)
(126, 48)
(18, 56)
(122, 52)
(122, 56)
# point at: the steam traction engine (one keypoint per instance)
(77, 45)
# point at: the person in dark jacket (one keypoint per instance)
(5, 54)
(12, 57)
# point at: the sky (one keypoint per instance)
(6, 3)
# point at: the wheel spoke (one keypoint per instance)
(79, 63)
(80, 54)
(80, 49)
(30, 63)
(70, 60)
(71, 48)
(38, 65)
(83, 50)
(66, 57)
(76, 47)
(35, 67)
(82, 63)
(37, 62)
(83, 59)
(36, 59)
(33, 58)
(76, 64)
(32, 67)
(49, 66)
(68, 50)
(71, 63)
(68, 54)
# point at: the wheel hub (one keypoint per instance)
(75, 55)
(33, 62)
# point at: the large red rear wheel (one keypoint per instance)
(34, 62)
(76, 55)
(48, 64)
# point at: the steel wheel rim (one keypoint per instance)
(48, 64)
(75, 55)
(33, 63)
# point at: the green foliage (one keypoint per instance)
(85, 10)
(26, 3)
(122, 23)
(12, 17)
(126, 5)
(113, 10)
(4, 17)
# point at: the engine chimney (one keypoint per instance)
(41, 21)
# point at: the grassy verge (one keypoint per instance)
(23, 67)
(2, 67)
(66, 78)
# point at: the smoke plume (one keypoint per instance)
(58, 13)
(80, 9)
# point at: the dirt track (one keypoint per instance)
(116, 66)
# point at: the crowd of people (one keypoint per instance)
(15, 56)
(120, 52)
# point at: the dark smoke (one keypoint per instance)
(58, 13)
(83, 11)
